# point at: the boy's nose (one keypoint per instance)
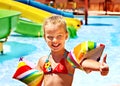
(55, 40)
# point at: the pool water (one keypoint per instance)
(101, 29)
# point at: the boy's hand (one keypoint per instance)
(104, 69)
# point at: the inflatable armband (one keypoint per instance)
(28, 75)
(87, 49)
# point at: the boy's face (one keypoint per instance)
(55, 36)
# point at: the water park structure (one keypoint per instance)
(36, 15)
(8, 20)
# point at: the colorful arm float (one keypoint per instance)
(28, 75)
(87, 49)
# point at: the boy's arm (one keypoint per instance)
(40, 64)
(39, 67)
(89, 64)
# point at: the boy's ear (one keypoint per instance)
(44, 36)
(67, 35)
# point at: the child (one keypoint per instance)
(57, 70)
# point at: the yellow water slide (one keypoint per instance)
(34, 14)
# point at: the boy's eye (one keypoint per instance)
(50, 37)
(59, 36)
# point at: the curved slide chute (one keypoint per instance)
(35, 14)
(8, 20)
(28, 28)
(46, 8)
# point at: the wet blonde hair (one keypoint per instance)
(55, 20)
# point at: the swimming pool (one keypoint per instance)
(102, 29)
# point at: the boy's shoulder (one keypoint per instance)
(41, 62)
(43, 58)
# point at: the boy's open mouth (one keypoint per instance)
(55, 45)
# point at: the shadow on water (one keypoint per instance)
(15, 50)
(99, 24)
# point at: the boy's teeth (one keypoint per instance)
(55, 45)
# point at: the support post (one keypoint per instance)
(86, 12)
(106, 7)
(1, 47)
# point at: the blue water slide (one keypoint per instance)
(46, 8)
